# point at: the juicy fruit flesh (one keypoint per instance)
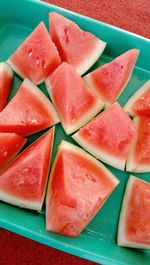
(138, 213)
(71, 96)
(67, 200)
(10, 145)
(6, 77)
(142, 105)
(72, 42)
(109, 79)
(142, 147)
(31, 112)
(37, 57)
(111, 131)
(25, 178)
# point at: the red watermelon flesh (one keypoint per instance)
(23, 182)
(6, 77)
(134, 224)
(108, 136)
(109, 80)
(79, 48)
(73, 100)
(139, 156)
(10, 146)
(78, 187)
(139, 103)
(29, 111)
(37, 56)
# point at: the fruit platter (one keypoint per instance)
(74, 133)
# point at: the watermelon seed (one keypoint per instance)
(30, 52)
(66, 34)
(37, 60)
(34, 120)
(121, 66)
(142, 97)
(25, 170)
(91, 177)
(5, 153)
(43, 64)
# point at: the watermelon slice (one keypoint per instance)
(139, 103)
(109, 80)
(30, 111)
(10, 146)
(139, 156)
(37, 56)
(78, 187)
(108, 136)
(79, 48)
(6, 77)
(134, 224)
(23, 182)
(73, 100)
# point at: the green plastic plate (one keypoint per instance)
(98, 240)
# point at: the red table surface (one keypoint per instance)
(131, 15)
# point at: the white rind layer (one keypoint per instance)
(16, 70)
(100, 154)
(4, 67)
(128, 106)
(32, 88)
(121, 239)
(92, 112)
(28, 204)
(131, 164)
(91, 59)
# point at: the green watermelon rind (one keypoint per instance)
(91, 113)
(121, 238)
(131, 164)
(26, 203)
(88, 80)
(85, 65)
(68, 146)
(128, 106)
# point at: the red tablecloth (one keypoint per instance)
(128, 14)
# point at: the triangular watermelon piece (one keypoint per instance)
(29, 111)
(139, 103)
(108, 136)
(23, 182)
(109, 80)
(134, 224)
(10, 146)
(78, 187)
(79, 48)
(6, 78)
(74, 101)
(36, 57)
(139, 156)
